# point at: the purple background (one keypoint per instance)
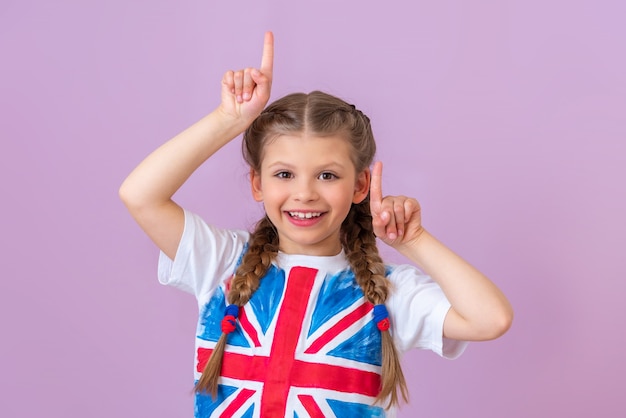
(506, 119)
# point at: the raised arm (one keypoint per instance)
(147, 192)
(480, 311)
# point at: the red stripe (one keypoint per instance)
(243, 396)
(337, 378)
(248, 328)
(288, 329)
(237, 366)
(339, 327)
(303, 374)
(311, 406)
(203, 358)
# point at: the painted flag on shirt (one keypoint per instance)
(305, 345)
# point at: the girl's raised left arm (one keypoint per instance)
(480, 311)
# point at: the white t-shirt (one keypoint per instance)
(306, 342)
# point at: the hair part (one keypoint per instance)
(316, 113)
(319, 114)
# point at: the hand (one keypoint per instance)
(246, 92)
(397, 220)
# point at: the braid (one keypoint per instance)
(359, 244)
(255, 263)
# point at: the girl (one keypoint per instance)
(301, 317)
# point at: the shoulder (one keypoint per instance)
(211, 245)
(197, 227)
(411, 290)
(406, 275)
(205, 257)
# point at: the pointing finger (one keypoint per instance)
(376, 188)
(267, 62)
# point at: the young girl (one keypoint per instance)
(301, 317)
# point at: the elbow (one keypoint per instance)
(488, 324)
(500, 323)
(503, 327)
(493, 324)
(130, 200)
(122, 193)
(127, 196)
(135, 207)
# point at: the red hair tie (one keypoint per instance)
(229, 322)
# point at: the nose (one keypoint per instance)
(305, 190)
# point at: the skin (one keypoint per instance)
(479, 309)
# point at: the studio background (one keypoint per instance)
(505, 119)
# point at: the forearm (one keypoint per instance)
(163, 172)
(480, 309)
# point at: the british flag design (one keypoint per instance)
(305, 345)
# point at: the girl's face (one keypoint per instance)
(307, 185)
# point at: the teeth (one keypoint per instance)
(303, 215)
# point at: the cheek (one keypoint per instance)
(273, 194)
(343, 196)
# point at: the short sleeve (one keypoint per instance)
(417, 308)
(206, 256)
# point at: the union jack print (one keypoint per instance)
(305, 345)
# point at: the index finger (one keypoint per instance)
(267, 61)
(376, 187)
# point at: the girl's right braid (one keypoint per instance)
(360, 246)
(255, 263)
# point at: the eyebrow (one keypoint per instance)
(330, 165)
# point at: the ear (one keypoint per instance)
(255, 184)
(362, 186)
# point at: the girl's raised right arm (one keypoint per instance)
(147, 191)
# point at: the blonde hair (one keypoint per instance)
(320, 114)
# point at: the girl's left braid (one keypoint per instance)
(359, 243)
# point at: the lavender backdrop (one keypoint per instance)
(506, 119)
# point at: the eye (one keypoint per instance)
(327, 176)
(283, 175)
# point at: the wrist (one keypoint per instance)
(218, 128)
(412, 248)
(230, 122)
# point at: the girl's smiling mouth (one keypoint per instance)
(304, 218)
(304, 215)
